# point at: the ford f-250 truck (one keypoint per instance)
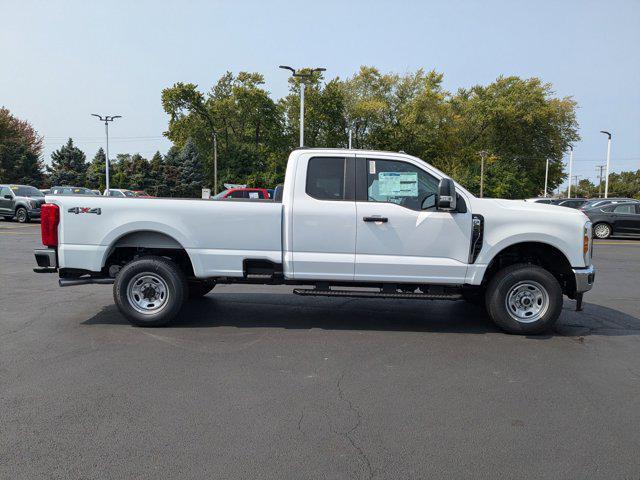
(345, 223)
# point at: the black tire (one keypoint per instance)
(157, 275)
(200, 289)
(602, 230)
(22, 216)
(528, 286)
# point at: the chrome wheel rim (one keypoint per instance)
(527, 301)
(21, 215)
(147, 293)
(602, 231)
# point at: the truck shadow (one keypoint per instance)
(266, 310)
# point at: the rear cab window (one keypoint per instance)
(326, 178)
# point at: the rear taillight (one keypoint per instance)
(49, 220)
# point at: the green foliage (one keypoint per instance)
(623, 184)
(96, 177)
(191, 171)
(68, 166)
(20, 149)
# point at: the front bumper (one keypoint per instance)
(584, 278)
(34, 212)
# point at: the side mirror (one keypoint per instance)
(446, 199)
(8, 197)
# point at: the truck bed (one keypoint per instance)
(217, 235)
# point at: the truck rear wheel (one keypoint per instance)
(524, 299)
(150, 291)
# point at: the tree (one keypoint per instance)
(191, 172)
(68, 166)
(96, 171)
(172, 172)
(20, 150)
(247, 122)
(157, 181)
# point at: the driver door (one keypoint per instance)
(401, 237)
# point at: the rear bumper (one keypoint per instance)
(47, 260)
(584, 278)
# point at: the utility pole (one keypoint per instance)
(215, 163)
(600, 168)
(303, 76)
(106, 119)
(576, 177)
(350, 138)
(546, 178)
(606, 181)
(570, 169)
(483, 157)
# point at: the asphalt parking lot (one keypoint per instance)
(256, 383)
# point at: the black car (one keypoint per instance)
(615, 218)
(573, 202)
(601, 202)
(20, 201)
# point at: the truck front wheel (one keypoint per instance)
(524, 299)
(150, 291)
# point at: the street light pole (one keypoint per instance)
(570, 169)
(303, 77)
(606, 181)
(106, 119)
(546, 178)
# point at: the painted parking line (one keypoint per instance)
(18, 233)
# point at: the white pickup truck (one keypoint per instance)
(345, 223)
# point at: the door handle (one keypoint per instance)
(376, 219)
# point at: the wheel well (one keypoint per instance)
(141, 243)
(535, 253)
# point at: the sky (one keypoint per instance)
(60, 61)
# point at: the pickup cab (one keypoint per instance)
(345, 223)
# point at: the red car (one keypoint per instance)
(242, 193)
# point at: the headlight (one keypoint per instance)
(587, 245)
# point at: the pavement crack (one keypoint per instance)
(300, 420)
(349, 433)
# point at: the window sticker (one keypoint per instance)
(372, 167)
(254, 195)
(398, 184)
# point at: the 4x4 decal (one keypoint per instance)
(77, 210)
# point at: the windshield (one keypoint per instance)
(21, 191)
(220, 195)
(128, 193)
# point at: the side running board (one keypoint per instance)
(315, 292)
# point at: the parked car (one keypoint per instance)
(97, 192)
(45, 191)
(345, 219)
(118, 192)
(20, 201)
(572, 202)
(600, 202)
(545, 200)
(242, 193)
(615, 218)
(66, 190)
(141, 194)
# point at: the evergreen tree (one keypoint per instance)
(191, 171)
(157, 183)
(172, 172)
(68, 166)
(96, 176)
